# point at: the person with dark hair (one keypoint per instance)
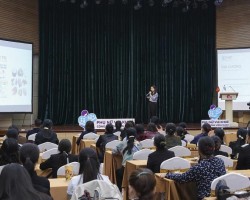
(29, 155)
(89, 128)
(12, 133)
(62, 158)
(142, 184)
(157, 122)
(104, 139)
(217, 143)
(139, 132)
(16, 184)
(180, 132)
(89, 170)
(127, 150)
(206, 128)
(220, 133)
(129, 124)
(36, 129)
(237, 145)
(151, 131)
(207, 169)
(244, 155)
(152, 97)
(171, 139)
(46, 134)
(20, 139)
(9, 152)
(118, 126)
(161, 154)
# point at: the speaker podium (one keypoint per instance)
(229, 97)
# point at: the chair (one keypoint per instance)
(46, 155)
(226, 149)
(234, 182)
(189, 137)
(180, 151)
(142, 154)
(175, 163)
(118, 134)
(228, 162)
(147, 143)
(76, 167)
(112, 145)
(90, 136)
(183, 143)
(46, 146)
(32, 137)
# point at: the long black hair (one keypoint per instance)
(64, 149)
(89, 164)
(9, 152)
(131, 134)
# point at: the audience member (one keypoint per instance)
(180, 132)
(46, 134)
(16, 184)
(127, 150)
(142, 184)
(29, 155)
(171, 139)
(36, 129)
(157, 122)
(21, 140)
(89, 170)
(236, 145)
(161, 154)
(104, 139)
(150, 132)
(12, 133)
(89, 128)
(62, 158)
(206, 128)
(129, 124)
(217, 143)
(244, 155)
(118, 126)
(139, 132)
(220, 133)
(207, 169)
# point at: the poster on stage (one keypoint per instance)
(101, 123)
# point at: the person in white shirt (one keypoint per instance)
(89, 170)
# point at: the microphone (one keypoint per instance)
(231, 87)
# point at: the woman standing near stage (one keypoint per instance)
(153, 98)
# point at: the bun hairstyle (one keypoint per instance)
(159, 141)
(64, 148)
(29, 154)
(170, 129)
(206, 146)
(131, 134)
(143, 182)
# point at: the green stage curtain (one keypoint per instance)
(105, 57)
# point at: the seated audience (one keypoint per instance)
(29, 155)
(207, 169)
(217, 143)
(36, 129)
(21, 140)
(62, 158)
(89, 170)
(139, 132)
(206, 128)
(127, 150)
(150, 132)
(129, 124)
(244, 155)
(171, 139)
(180, 132)
(89, 128)
(104, 139)
(12, 133)
(118, 126)
(46, 134)
(142, 184)
(16, 184)
(9, 152)
(186, 134)
(159, 127)
(161, 154)
(220, 133)
(236, 145)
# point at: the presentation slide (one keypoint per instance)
(15, 77)
(234, 75)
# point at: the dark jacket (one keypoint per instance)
(156, 158)
(222, 153)
(197, 137)
(172, 141)
(31, 132)
(41, 184)
(81, 136)
(244, 158)
(46, 135)
(56, 161)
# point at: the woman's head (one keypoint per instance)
(180, 131)
(29, 155)
(118, 125)
(12, 133)
(64, 146)
(159, 141)
(47, 124)
(10, 150)
(38, 122)
(142, 184)
(89, 164)
(170, 129)
(131, 134)
(217, 142)
(206, 128)
(151, 127)
(90, 127)
(139, 129)
(109, 129)
(220, 133)
(206, 146)
(153, 89)
(241, 134)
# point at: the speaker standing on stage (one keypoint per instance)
(152, 105)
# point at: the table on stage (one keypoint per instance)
(58, 188)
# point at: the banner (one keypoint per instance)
(217, 123)
(101, 123)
